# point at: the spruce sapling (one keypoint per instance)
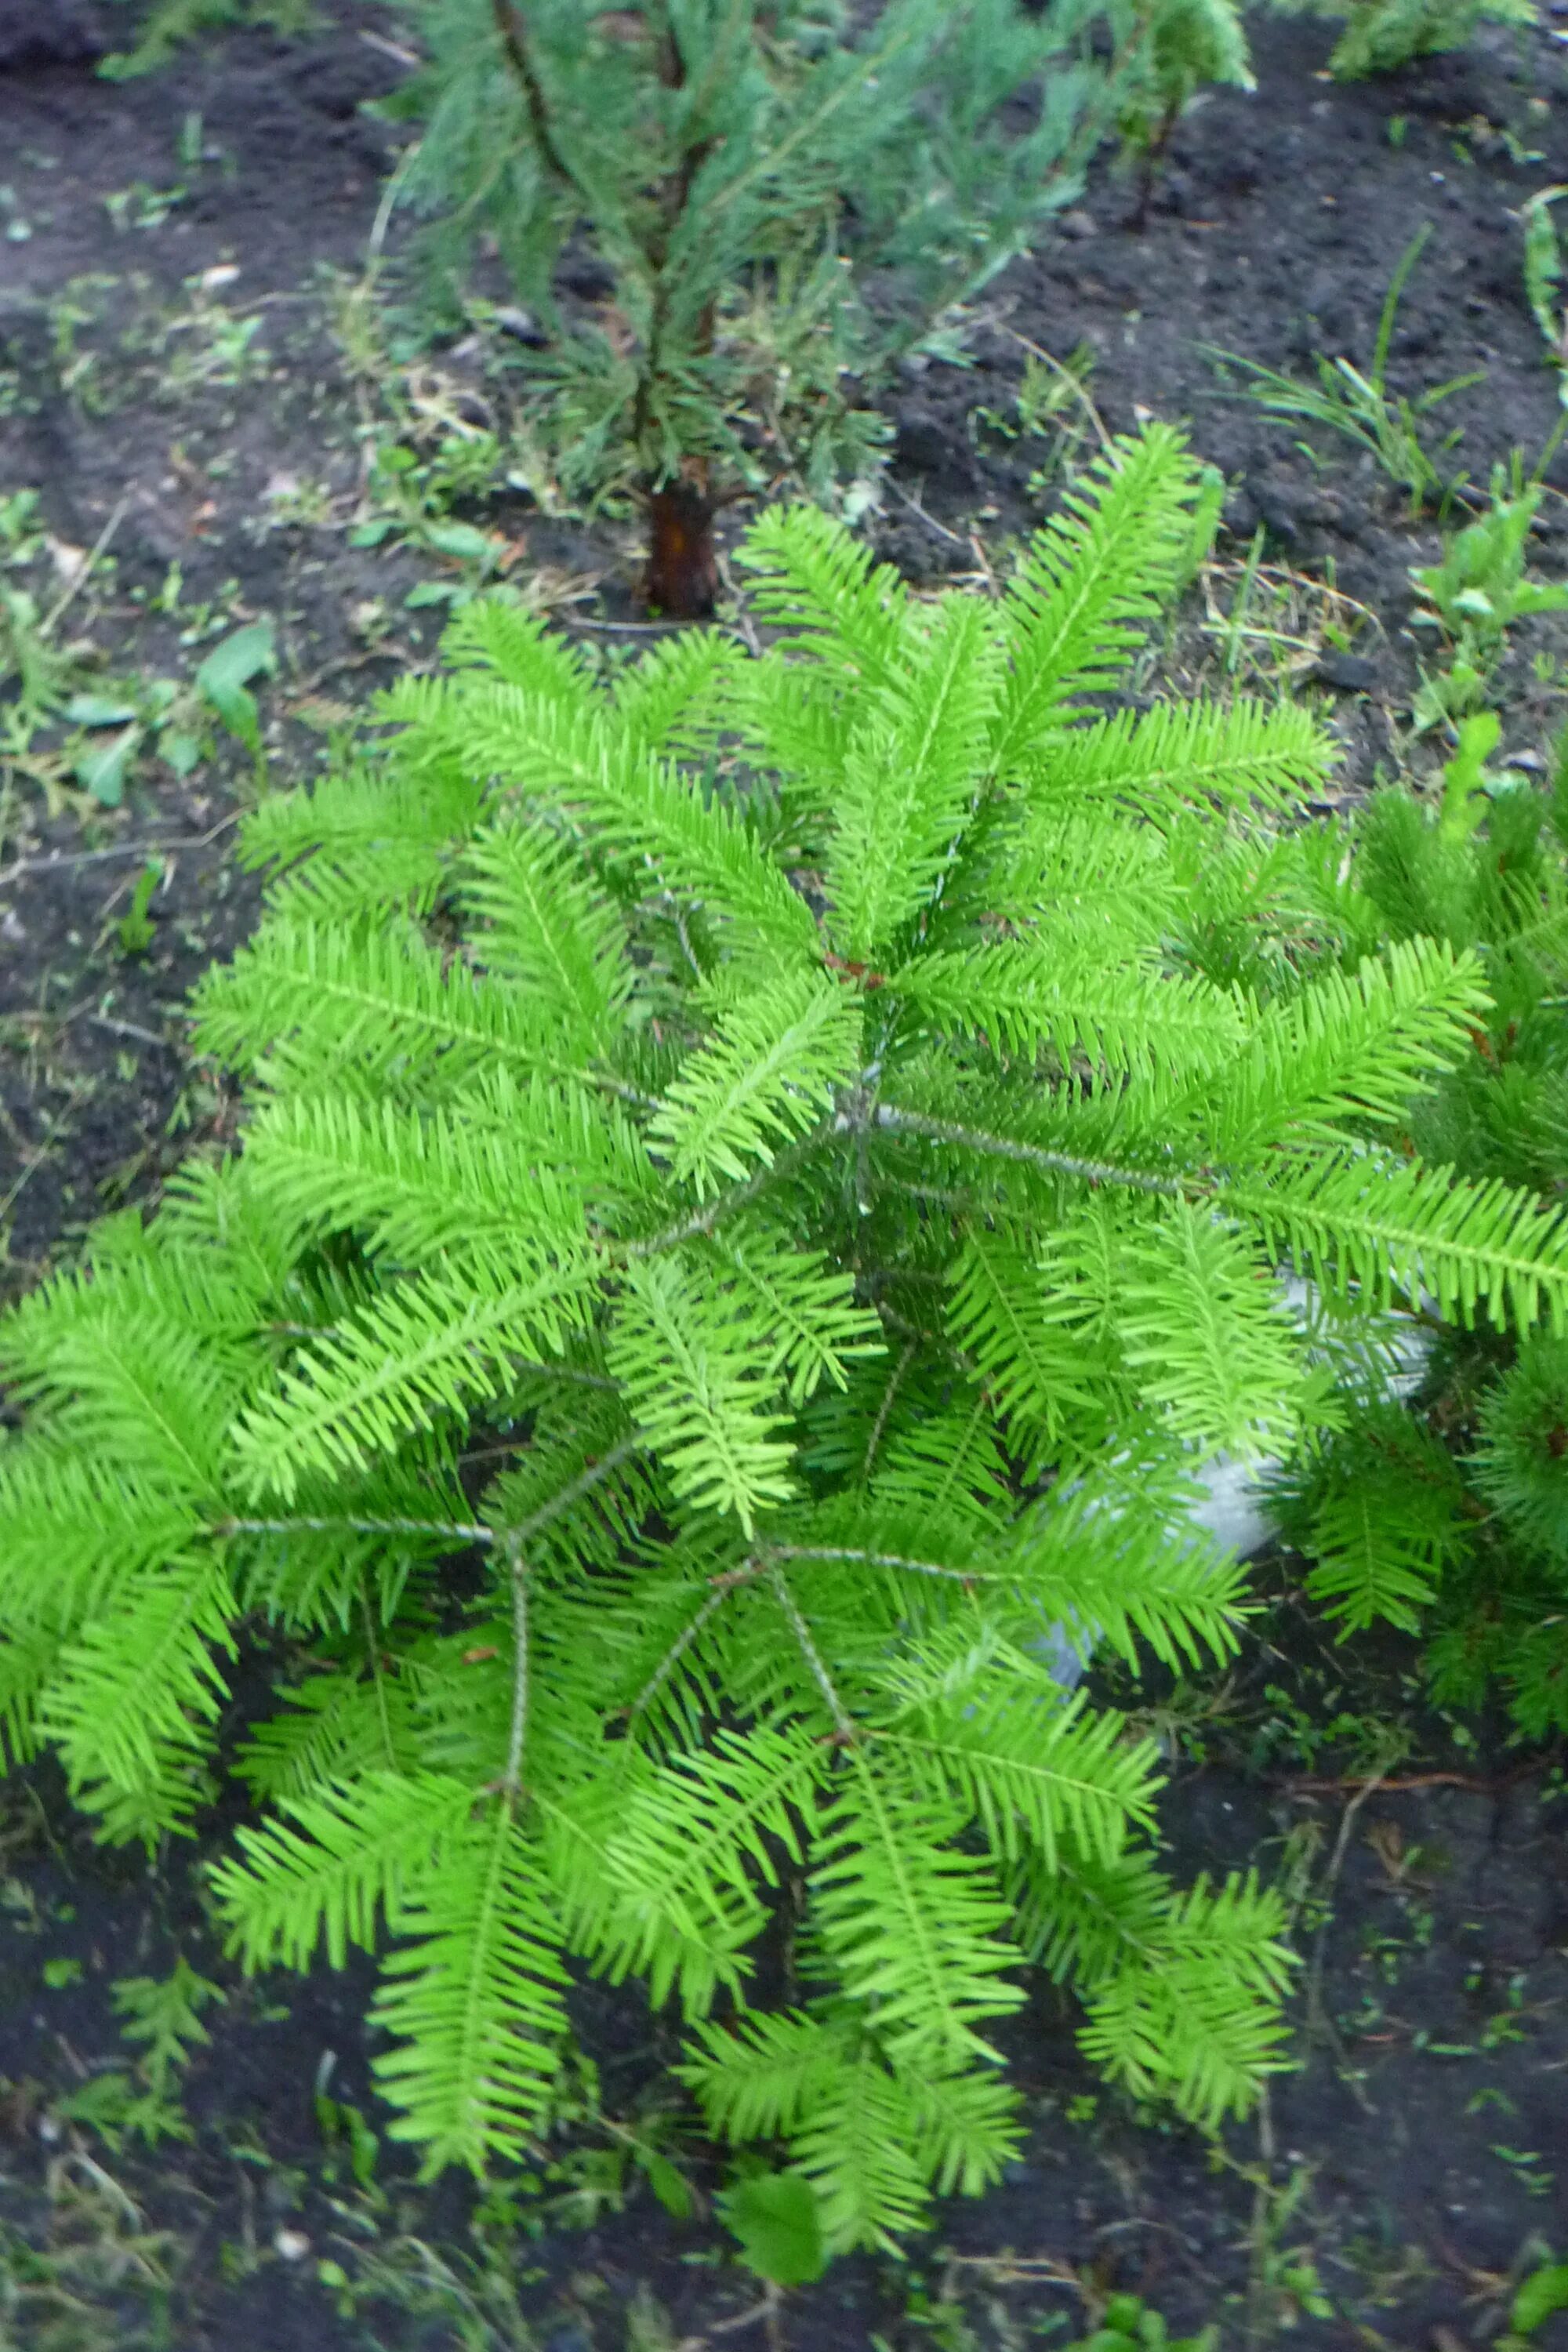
(768, 201)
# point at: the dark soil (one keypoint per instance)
(1413, 2165)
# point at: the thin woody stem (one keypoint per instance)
(884, 1559)
(448, 1530)
(703, 1221)
(511, 1781)
(843, 1723)
(895, 1379)
(677, 1651)
(513, 35)
(1059, 1163)
(373, 1655)
(594, 1474)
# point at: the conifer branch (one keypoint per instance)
(514, 43)
(879, 1421)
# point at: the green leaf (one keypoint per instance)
(1544, 2292)
(223, 680)
(776, 2218)
(99, 710)
(246, 654)
(669, 2185)
(461, 540)
(103, 771)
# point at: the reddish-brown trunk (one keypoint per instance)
(683, 576)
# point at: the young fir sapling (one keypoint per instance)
(1379, 36)
(1168, 50)
(759, 1180)
(767, 199)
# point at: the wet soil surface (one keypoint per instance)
(188, 385)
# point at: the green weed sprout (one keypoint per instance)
(1130, 2326)
(1536, 2300)
(168, 22)
(1544, 280)
(1478, 593)
(1360, 406)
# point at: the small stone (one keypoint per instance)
(521, 325)
(586, 275)
(1080, 223)
(1351, 673)
(290, 2245)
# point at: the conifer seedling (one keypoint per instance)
(760, 203)
(758, 1182)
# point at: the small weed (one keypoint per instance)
(1477, 592)
(1269, 626)
(1537, 2297)
(135, 929)
(208, 344)
(170, 22)
(77, 311)
(163, 2016)
(1052, 407)
(1528, 2168)
(100, 2280)
(347, 2135)
(411, 500)
(1129, 2326)
(1391, 427)
(224, 679)
(142, 206)
(1543, 279)
(476, 2303)
(160, 715)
